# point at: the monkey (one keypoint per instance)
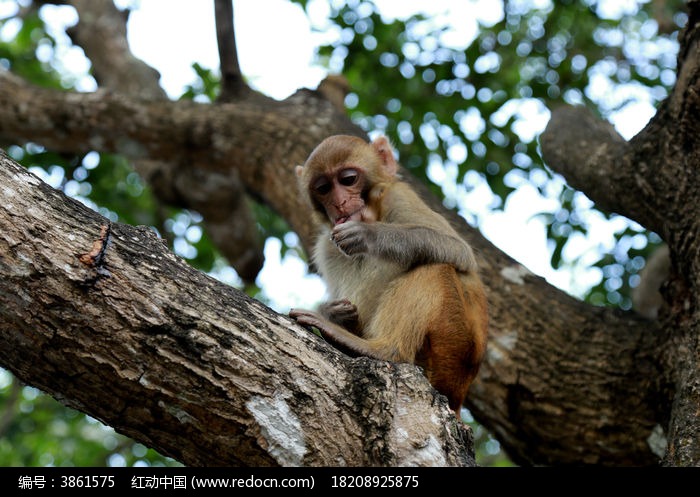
(404, 285)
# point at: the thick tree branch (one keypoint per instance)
(655, 180)
(109, 52)
(589, 153)
(579, 380)
(335, 88)
(224, 139)
(103, 317)
(111, 61)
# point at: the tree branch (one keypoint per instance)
(564, 373)
(232, 83)
(109, 52)
(104, 318)
(588, 152)
(645, 179)
(222, 139)
(655, 180)
(112, 60)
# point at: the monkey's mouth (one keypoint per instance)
(353, 216)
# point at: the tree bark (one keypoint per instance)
(562, 383)
(122, 329)
(655, 180)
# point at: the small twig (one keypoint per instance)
(96, 255)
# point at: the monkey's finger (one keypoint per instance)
(342, 305)
(350, 241)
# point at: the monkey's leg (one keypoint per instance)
(426, 317)
(449, 363)
(455, 342)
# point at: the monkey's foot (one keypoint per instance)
(306, 318)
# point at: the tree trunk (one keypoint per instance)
(655, 180)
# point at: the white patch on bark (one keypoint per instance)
(402, 434)
(657, 441)
(506, 340)
(7, 192)
(516, 273)
(415, 446)
(430, 453)
(182, 416)
(281, 429)
(499, 343)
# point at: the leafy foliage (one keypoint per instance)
(35, 430)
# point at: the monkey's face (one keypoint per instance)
(339, 173)
(340, 192)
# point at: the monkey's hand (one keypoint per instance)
(354, 237)
(342, 312)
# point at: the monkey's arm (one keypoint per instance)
(408, 232)
(407, 245)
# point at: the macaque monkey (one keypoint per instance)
(403, 284)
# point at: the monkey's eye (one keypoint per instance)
(322, 186)
(348, 177)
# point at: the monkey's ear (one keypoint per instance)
(299, 170)
(383, 148)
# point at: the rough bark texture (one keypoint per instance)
(654, 179)
(562, 383)
(124, 330)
